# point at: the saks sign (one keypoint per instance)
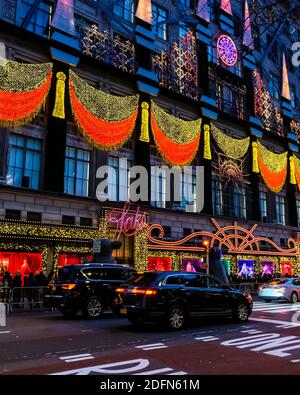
(128, 222)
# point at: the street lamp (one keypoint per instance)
(206, 246)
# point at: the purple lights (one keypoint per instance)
(191, 265)
(268, 267)
(227, 50)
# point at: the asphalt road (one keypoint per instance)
(46, 343)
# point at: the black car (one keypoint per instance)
(89, 288)
(174, 297)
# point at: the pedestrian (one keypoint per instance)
(17, 284)
(216, 268)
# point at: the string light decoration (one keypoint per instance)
(297, 170)
(59, 106)
(273, 168)
(227, 50)
(141, 251)
(26, 247)
(144, 136)
(37, 231)
(106, 121)
(293, 180)
(23, 91)
(207, 149)
(231, 147)
(255, 166)
(176, 140)
(70, 249)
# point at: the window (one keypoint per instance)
(186, 232)
(298, 211)
(12, 214)
(24, 162)
(192, 280)
(293, 97)
(256, 37)
(274, 86)
(77, 172)
(124, 9)
(173, 280)
(86, 221)
(183, 29)
(39, 21)
(159, 15)
(188, 191)
(68, 220)
(238, 25)
(185, 3)
(274, 50)
(118, 178)
(280, 209)
(34, 217)
(263, 206)
(158, 188)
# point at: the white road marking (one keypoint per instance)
(2, 332)
(155, 371)
(76, 358)
(251, 331)
(206, 338)
(295, 360)
(284, 323)
(154, 346)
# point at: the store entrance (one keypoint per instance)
(25, 262)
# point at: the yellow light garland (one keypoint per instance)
(102, 105)
(59, 106)
(292, 171)
(233, 148)
(144, 136)
(274, 162)
(255, 166)
(22, 77)
(176, 129)
(207, 149)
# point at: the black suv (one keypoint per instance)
(89, 288)
(174, 297)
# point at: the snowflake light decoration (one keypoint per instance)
(227, 50)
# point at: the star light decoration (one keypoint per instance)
(227, 50)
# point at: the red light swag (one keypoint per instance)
(177, 140)
(106, 121)
(23, 90)
(273, 168)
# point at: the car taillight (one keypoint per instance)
(120, 290)
(279, 288)
(68, 287)
(142, 291)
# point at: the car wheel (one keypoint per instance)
(68, 313)
(135, 319)
(176, 317)
(241, 313)
(93, 308)
(294, 297)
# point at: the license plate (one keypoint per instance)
(123, 310)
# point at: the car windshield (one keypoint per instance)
(144, 279)
(278, 281)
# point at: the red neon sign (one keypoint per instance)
(128, 222)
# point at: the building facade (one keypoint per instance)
(150, 83)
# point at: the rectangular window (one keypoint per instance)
(263, 206)
(280, 209)
(68, 220)
(274, 86)
(158, 188)
(183, 29)
(188, 190)
(159, 15)
(118, 178)
(124, 9)
(298, 211)
(77, 171)
(39, 21)
(12, 214)
(293, 97)
(86, 221)
(24, 162)
(34, 217)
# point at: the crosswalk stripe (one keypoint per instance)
(154, 348)
(75, 356)
(292, 324)
(78, 359)
(150, 345)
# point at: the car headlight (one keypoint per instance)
(248, 297)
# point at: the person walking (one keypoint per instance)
(216, 268)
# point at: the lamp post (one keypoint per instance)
(206, 246)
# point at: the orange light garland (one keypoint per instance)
(274, 180)
(17, 108)
(102, 134)
(173, 153)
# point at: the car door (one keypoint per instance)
(296, 285)
(195, 293)
(217, 296)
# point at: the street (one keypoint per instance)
(43, 343)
